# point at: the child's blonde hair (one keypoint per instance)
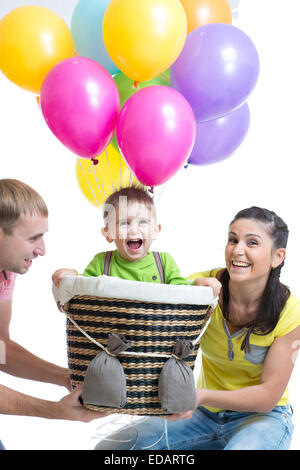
(17, 198)
(133, 194)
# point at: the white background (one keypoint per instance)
(194, 209)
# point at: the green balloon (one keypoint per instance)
(128, 88)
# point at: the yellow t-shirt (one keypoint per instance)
(224, 365)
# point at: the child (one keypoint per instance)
(130, 222)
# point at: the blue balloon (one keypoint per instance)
(86, 28)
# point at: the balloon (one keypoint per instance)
(86, 27)
(156, 132)
(99, 181)
(219, 138)
(127, 88)
(80, 103)
(144, 38)
(32, 40)
(201, 12)
(216, 71)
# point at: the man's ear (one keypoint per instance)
(105, 233)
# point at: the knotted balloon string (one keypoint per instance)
(95, 161)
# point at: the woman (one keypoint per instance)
(248, 352)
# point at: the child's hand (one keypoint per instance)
(60, 273)
(209, 282)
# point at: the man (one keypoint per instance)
(23, 223)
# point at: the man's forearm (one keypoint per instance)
(68, 408)
(22, 363)
(16, 403)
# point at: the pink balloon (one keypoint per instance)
(156, 131)
(80, 103)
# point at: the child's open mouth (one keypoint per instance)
(134, 244)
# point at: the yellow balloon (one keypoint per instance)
(32, 40)
(97, 182)
(144, 37)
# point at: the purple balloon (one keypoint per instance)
(216, 70)
(219, 138)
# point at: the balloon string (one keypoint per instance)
(120, 161)
(97, 202)
(97, 182)
(112, 183)
(164, 75)
(160, 194)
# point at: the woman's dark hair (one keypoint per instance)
(275, 294)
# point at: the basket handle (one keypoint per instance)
(130, 353)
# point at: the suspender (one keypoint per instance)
(159, 264)
(107, 263)
(4, 275)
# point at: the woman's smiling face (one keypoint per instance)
(249, 252)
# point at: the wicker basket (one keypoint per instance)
(152, 327)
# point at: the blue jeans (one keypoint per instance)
(1, 446)
(226, 430)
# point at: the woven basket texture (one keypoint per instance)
(151, 327)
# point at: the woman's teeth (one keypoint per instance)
(241, 264)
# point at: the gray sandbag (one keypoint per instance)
(176, 383)
(104, 382)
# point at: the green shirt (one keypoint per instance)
(143, 270)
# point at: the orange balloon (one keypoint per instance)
(201, 12)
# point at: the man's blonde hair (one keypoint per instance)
(17, 198)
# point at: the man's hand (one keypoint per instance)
(70, 408)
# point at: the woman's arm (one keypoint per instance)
(275, 376)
